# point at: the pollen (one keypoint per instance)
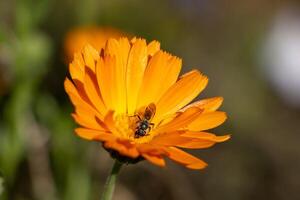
(125, 125)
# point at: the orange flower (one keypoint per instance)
(77, 38)
(129, 97)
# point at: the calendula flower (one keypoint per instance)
(78, 37)
(129, 97)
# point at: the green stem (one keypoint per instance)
(110, 181)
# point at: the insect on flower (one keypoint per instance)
(144, 123)
(107, 88)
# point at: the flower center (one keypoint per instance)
(135, 128)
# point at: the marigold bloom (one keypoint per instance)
(115, 89)
(77, 38)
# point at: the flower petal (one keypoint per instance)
(169, 139)
(155, 159)
(120, 50)
(207, 121)
(93, 93)
(90, 134)
(163, 69)
(76, 98)
(181, 121)
(88, 119)
(76, 68)
(181, 93)
(124, 147)
(90, 55)
(109, 122)
(200, 140)
(105, 71)
(149, 148)
(153, 47)
(208, 105)
(137, 62)
(206, 136)
(185, 159)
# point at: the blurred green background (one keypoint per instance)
(231, 41)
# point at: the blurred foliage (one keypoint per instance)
(40, 156)
(1, 186)
(29, 51)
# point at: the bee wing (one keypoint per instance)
(150, 111)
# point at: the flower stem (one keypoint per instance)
(110, 181)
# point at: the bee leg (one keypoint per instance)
(151, 125)
(138, 117)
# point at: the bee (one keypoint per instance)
(144, 124)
